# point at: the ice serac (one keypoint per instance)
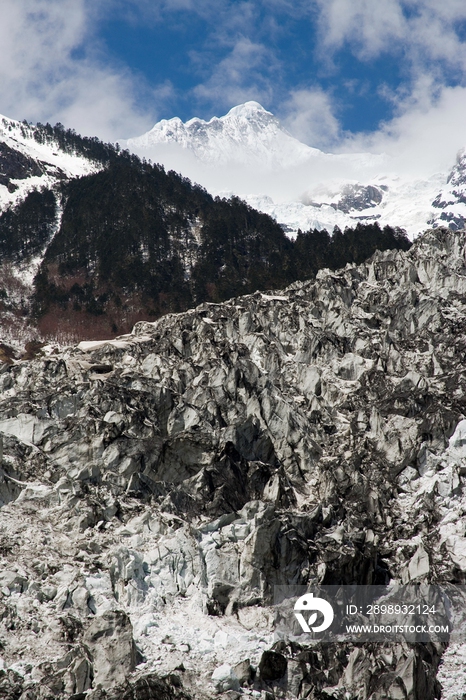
(156, 487)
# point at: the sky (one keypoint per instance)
(342, 75)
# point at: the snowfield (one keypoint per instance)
(249, 153)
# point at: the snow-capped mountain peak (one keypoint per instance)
(249, 153)
(247, 135)
(250, 111)
(246, 109)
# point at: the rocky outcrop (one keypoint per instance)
(451, 200)
(15, 165)
(156, 487)
(358, 198)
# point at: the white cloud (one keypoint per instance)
(429, 129)
(51, 70)
(244, 74)
(419, 30)
(309, 116)
(429, 107)
(361, 22)
(424, 136)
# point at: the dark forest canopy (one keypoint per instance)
(133, 235)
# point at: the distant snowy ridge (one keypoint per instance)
(247, 135)
(450, 202)
(249, 153)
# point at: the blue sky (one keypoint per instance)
(341, 74)
(185, 51)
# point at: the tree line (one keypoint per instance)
(135, 236)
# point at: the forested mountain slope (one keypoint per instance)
(131, 241)
(249, 152)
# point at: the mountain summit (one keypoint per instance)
(247, 135)
(249, 153)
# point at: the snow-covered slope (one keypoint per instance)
(404, 202)
(31, 158)
(249, 153)
(26, 162)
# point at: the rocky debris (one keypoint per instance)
(157, 486)
(7, 353)
(225, 678)
(148, 687)
(272, 666)
(397, 673)
(381, 672)
(453, 672)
